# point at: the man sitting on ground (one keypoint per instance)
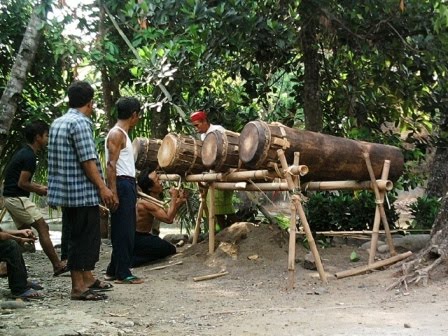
(11, 253)
(149, 247)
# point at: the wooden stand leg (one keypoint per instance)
(197, 227)
(380, 205)
(211, 220)
(377, 219)
(292, 246)
(309, 237)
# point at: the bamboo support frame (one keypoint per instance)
(211, 221)
(309, 236)
(377, 218)
(292, 246)
(380, 204)
(197, 227)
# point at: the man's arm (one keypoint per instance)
(114, 146)
(25, 183)
(94, 176)
(167, 216)
(20, 236)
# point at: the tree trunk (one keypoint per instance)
(22, 64)
(438, 175)
(311, 91)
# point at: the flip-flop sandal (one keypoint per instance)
(100, 286)
(89, 295)
(34, 285)
(61, 270)
(29, 294)
(130, 280)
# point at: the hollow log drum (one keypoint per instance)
(329, 158)
(180, 155)
(220, 150)
(145, 152)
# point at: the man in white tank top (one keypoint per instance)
(121, 180)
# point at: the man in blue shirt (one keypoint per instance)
(76, 184)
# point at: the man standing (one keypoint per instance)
(121, 180)
(17, 188)
(224, 211)
(149, 247)
(75, 183)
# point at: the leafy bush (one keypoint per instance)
(424, 212)
(345, 211)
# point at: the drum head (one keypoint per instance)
(138, 147)
(167, 151)
(253, 143)
(211, 152)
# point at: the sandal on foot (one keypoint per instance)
(61, 270)
(29, 294)
(34, 285)
(101, 286)
(130, 280)
(89, 295)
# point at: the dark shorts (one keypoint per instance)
(84, 237)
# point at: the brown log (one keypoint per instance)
(180, 155)
(145, 152)
(220, 150)
(329, 158)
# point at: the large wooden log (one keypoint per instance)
(220, 150)
(180, 155)
(329, 158)
(145, 152)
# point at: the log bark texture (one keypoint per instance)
(329, 158)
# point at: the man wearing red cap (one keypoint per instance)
(224, 211)
(203, 126)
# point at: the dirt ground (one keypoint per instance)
(252, 299)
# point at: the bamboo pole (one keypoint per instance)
(378, 264)
(309, 237)
(377, 218)
(197, 227)
(272, 186)
(383, 185)
(380, 204)
(287, 175)
(292, 245)
(211, 220)
(210, 276)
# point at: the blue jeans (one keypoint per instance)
(123, 229)
(11, 253)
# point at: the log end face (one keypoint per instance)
(210, 152)
(252, 142)
(167, 151)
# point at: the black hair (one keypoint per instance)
(126, 106)
(79, 94)
(35, 128)
(144, 182)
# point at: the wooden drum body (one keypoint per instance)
(329, 158)
(145, 152)
(220, 150)
(180, 155)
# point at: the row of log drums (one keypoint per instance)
(329, 158)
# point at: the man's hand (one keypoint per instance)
(27, 233)
(109, 199)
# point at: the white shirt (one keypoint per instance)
(125, 163)
(211, 129)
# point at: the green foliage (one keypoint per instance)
(424, 212)
(282, 221)
(345, 211)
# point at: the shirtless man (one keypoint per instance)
(149, 247)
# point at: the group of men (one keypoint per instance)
(76, 185)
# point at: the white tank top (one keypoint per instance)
(125, 163)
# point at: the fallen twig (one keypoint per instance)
(210, 276)
(165, 266)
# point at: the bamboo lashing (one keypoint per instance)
(151, 199)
